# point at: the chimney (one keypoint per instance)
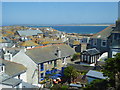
(8, 56)
(58, 53)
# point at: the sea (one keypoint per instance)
(77, 29)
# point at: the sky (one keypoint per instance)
(58, 12)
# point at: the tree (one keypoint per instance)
(70, 73)
(112, 70)
(75, 56)
(97, 85)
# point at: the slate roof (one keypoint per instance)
(104, 33)
(12, 82)
(29, 32)
(117, 29)
(12, 68)
(92, 51)
(13, 51)
(95, 74)
(81, 67)
(28, 43)
(39, 55)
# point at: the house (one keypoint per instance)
(28, 32)
(114, 38)
(24, 34)
(92, 75)
(28, 44)
(5, 42)
(11, 74)
(84, 43)
(100, 40)
(90, 56)
(41, 59)
(74, 42)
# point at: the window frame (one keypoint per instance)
(103, 42)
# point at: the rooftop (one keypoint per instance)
(104, 33)
(29, 32)
(28, 43)
(12, 68)
(92, 51)
(95, 74)
(47, 53)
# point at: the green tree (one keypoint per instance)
(71, 73)
(76, 56)
(97, 85)
(112, 70)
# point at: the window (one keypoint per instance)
(116, 36)
(2, 68)
(94, 42)
(42, 76)
(55, 64)
(42, 67)
(49, 62)
(104, 43)
(64, 59)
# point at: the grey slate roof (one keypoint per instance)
(12, 82)
(104, 33)
(29, 32)
(92, 51)
(117, 29)
(13, 51)
(39, 55)
(81, 67)
(12, 68)
(95, 74)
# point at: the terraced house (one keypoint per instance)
(40, 60)
(114, 38)
(100, 40)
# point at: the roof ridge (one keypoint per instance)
(104, 29)
(44, 46)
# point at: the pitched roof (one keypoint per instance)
(104, 33)
(29, 32)
(95, 74)
(48, 53)
(12, 68)
(92, 51)
(28, 43)
(117, 28)
(12, 82)
(81, 67)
